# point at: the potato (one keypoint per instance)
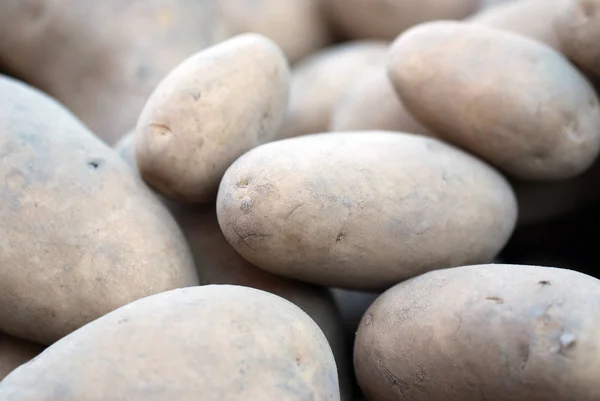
(319, 81)
(532, 18)
(352, 306)
(386, 19)
(521, 105)
(207, 112)
(578, 28)
(202, 343)
(495, 332)
(297, 26)
(14, 352)
(363, 210)
(372, 104)
(102, 59)
(86, 236)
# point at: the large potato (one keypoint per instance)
(385, 19)
(207, 112)
(102, 59)
(372, 104)
(363, 210)
(14, 352)
(83, 235)
(205, 343)
(532, 18)
(495, 333)
(578, 28)
(297, 26)
(511, 100)
(319, 82)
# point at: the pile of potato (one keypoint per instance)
(299, 200)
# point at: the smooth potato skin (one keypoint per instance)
(207, 112)
(15, 352)
(531, 18)
(578, 28)
(102, 59)
(319, 81)
(536, 117)
(492, 332)
(363, 210)
(86, 236)
(207, 343)
(372, 104)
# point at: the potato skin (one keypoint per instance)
(86, 236)
(207, 112)
(494, 332)
(385, 19)
(363, 210)
(536, 118)
(102, 59)
(319, 81)
(578, 28)
(14, 352)
(372, 104)
(297, 26)
(205, 343)
(531, 18)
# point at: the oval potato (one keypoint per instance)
(216, 342)
(495, 332)
(386, 19)
(102, 59)
(319, 81)
(521, 106)
(14, 352)
(86, 235)
(207, 112)
(297, 26)
(531, 18)
(363, 210)
(372, 104)
(578, 28)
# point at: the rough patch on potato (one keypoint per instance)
(363, 210)
(210, 343)
(493, 332)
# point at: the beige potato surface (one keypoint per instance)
(363, 210)
(102, 59)
(216, 342)
(372, 104)
(14, 352)
(578, 29)
(531, 18)
(386, 19)
(493, 332)
(515, 102)
(319, 81)
(297, 26)
(84, 235)
(213, 107)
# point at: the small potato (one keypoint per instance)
(492, 332)
(207, 112)
(531, 18)
(297, 26)
(578, 28)
(372, 104)
(102, 59)
(83, 235)
(363, 210)
(504, 97)
(386, 19)
(216, 342)
(319, 82)
(14, 352)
